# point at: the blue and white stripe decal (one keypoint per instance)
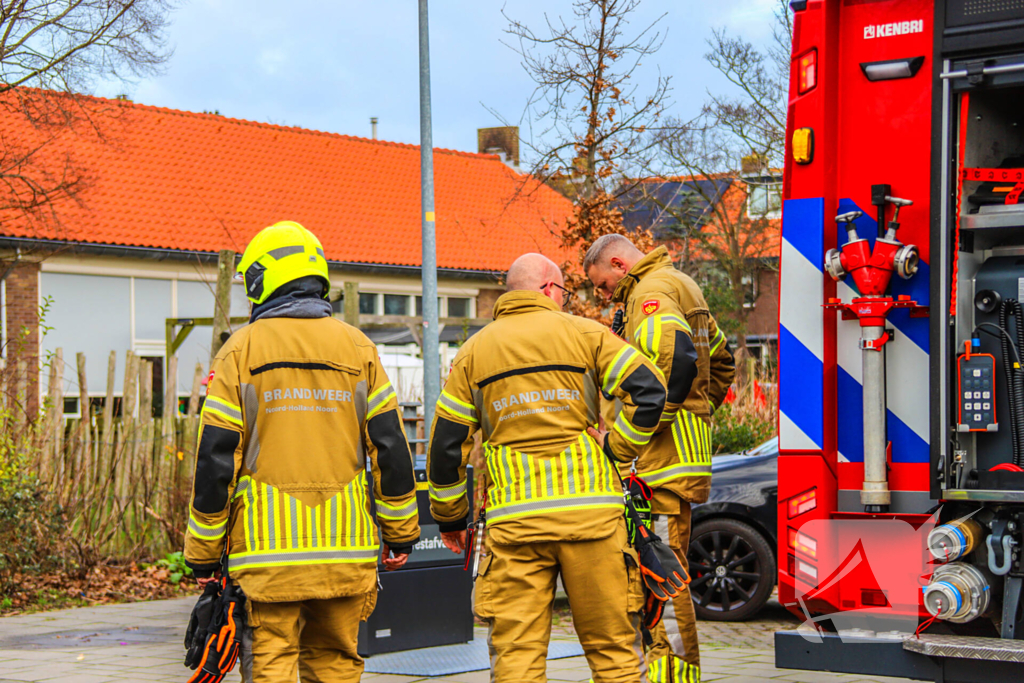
(801, 325)
(907, 369)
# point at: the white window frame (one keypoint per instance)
(470, 309)
(751, 282)
(378, 302)
(769, 188)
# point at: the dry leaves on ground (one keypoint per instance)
(103, 584)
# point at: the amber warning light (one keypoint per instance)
(803, 145)
(807, 72)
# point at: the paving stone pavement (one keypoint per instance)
(143, 642)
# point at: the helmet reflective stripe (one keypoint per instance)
(280, 254)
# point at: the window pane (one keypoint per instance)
(368, 304)
(758, 201)
(458, 307)
(92, 314)
(396, 304)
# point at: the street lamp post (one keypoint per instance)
(431, 360)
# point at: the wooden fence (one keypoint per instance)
(122, 480)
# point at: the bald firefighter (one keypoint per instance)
(667, 319)
(530, 381)
(296, 407)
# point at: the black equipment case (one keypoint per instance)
(427, 602)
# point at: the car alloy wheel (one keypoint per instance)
(732, 567)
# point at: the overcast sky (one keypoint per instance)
(332, 64)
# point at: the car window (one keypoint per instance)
(767, 448)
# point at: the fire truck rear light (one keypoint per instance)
(873, 597)
(892, 69)
(803, 145)
(802, 569)
(807, 72)
(805, 502)
(802, 543)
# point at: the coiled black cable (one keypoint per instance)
(1014, 375)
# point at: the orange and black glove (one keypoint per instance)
(661, 570)
(224, 638)
(199, 624)
(663, 575)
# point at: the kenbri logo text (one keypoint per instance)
(897, 28)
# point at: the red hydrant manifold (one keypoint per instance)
(871, 272)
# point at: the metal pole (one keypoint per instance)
(875, 496)
(431, 361)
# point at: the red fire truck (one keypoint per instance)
(901, 331)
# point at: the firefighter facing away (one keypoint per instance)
(530, 381)
(296, 405)
(667, 319)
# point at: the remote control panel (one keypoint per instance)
(977, 396)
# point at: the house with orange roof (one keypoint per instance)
(715, 219)
(162, 191)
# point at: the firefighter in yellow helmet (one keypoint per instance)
(667, 319)
(297, 404)
(530, 381)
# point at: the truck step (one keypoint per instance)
(967, 647)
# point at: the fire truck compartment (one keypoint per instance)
(992, 214)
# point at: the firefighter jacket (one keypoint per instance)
(294, 409)
(668, 320)
(531, 381)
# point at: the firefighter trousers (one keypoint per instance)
(313, 638)
(515, 591)
(674, 657)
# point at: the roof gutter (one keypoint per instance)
(205, 257)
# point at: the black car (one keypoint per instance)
(733, 545)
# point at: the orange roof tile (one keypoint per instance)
(168, 179)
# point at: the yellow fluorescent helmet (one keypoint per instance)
(280, 254)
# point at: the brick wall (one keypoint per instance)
(764, 319)
(485, 302)
(22, 342)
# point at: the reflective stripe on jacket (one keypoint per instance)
(296, 410)
(578, 478)
(668, 320)
(531, 381)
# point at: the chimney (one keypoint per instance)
(753, 165)
(373, 127)
(503, 141)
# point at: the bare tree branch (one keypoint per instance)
(50, 52)
(737, 140)
(591, 115)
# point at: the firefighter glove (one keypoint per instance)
(639, 494)
(199, 624)
(618, 323)
(653, 611)
(663, 575)
(224, 638)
